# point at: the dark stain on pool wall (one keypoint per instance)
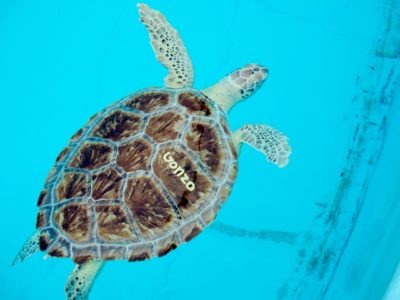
(266, 235)
(320, 256)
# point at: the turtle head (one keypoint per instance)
(248, 79)
(237, 85)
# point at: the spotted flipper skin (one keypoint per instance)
(81, 280)
(168, 47)
(30, 247)
(267, 140)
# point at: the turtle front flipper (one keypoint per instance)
(81, 280)
(267, 140)
(30, 247)
(169, 48)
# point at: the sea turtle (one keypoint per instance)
(150, 171)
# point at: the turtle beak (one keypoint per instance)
(265, 71)
(259, 72)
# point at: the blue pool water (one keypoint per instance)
(324, 227)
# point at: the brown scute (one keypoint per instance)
(77, 135)
(72, 185)
(233, 149)
(91, 156)
(51, 175)
(117, 126)
(134, 155)
(151, 210)
(140, 252)
(195, 104)
(82, 255)
(233, 171)
(42, 219)
(57, 252)
(193, 233)
(43, 198)
(187, 201)
(167, 244)
(226, 130)
(149, 102)
(139, 256)
(190, 230)
(165, 127)
(224, 126)
(43, 243)
(73, 219)
(93, 117)
(112, 252)
(167, 249)
(81, 259)
(113, 224)
(47, 237)
(209, 215)
(204, 140)
(62, 154)
(223, 194)
(106, 185)
(60, 248)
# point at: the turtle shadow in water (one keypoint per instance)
(271, 235)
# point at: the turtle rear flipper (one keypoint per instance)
(30, 247)
(81, 280)
(169, 48)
